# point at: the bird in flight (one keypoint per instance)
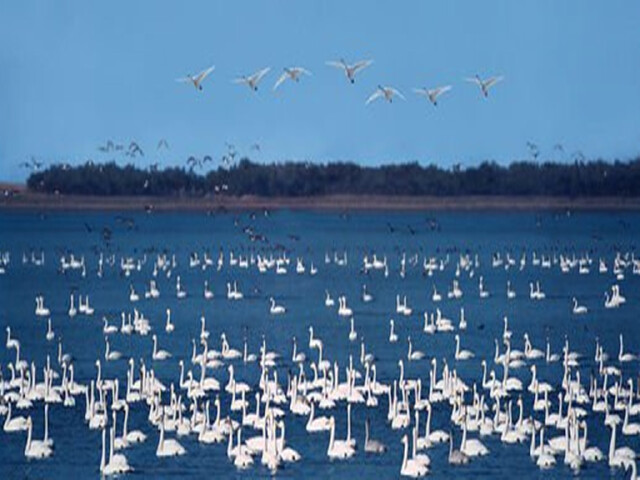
(432, 94)
(384, 92)
(485, 85)
(292, 73)
(163, 143)
(253, 80)
(197, 80)
(350, 70)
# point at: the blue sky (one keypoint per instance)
(75, 74)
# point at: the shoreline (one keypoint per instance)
(37, 201)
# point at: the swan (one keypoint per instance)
(578, 309)
(292, 73)
(366, 296)
(72, 309)
(276, 309)
(133, 436)
(197, 79)
(168, 447)
(625, 357)
(385, 92)
(11, 342)
(297, 357)
(15, 424)
(253, 80)
(112, 467)
(471, 447)
(338, 449)
(328, 301)
(50, 333)
(108, 329)
(456, 457)
(169, 327)
(529, 352)
(436, 436)
(619, 456)
(317, 424)
(590, 454)
(314, 342)
(110, 355)
(393, 337)
(287, 454)
(353, 335)
(486, 84)
(411, 467)
(343, 310)
(370, 445)
(432, 94)
(350, 70)
(629, 428)
(462, 354)
(158, 354)
(414, 354)
(35, 449)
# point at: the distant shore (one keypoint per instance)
(25, 200)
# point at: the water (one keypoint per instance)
(309, 235)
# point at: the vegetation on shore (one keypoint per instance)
(291, 179)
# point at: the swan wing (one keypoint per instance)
(474, 80)
(184, 80)
(256, 77)
(203, 74)
(375, 95)
(280, 80)
(492, 81)
(421, 91)
(361, 65)
(336, 64)
(436, 92)
(397, 93)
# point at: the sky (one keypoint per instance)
(75, 74)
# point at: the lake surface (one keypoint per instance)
(311, 236)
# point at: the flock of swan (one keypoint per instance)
(484, 400)
(350, 70)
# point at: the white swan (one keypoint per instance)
(50, 333)
(486, 84)
(370, 445)
(432, 94)
(292, 73)
(385, 92)
(168, 447)
(276, 309)
(197, 79)
(253, 80)
(110, 355)
(411, 467)
(393, 337)
(414, 354)
(338, 449)
(159, 354)
(462, 354)
(169, 327)
(35, 449)
(350, 70)
(578, 309)
(353, 335)
(625, 357)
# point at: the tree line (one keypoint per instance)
(294, 179)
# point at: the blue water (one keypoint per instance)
(310, 235)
